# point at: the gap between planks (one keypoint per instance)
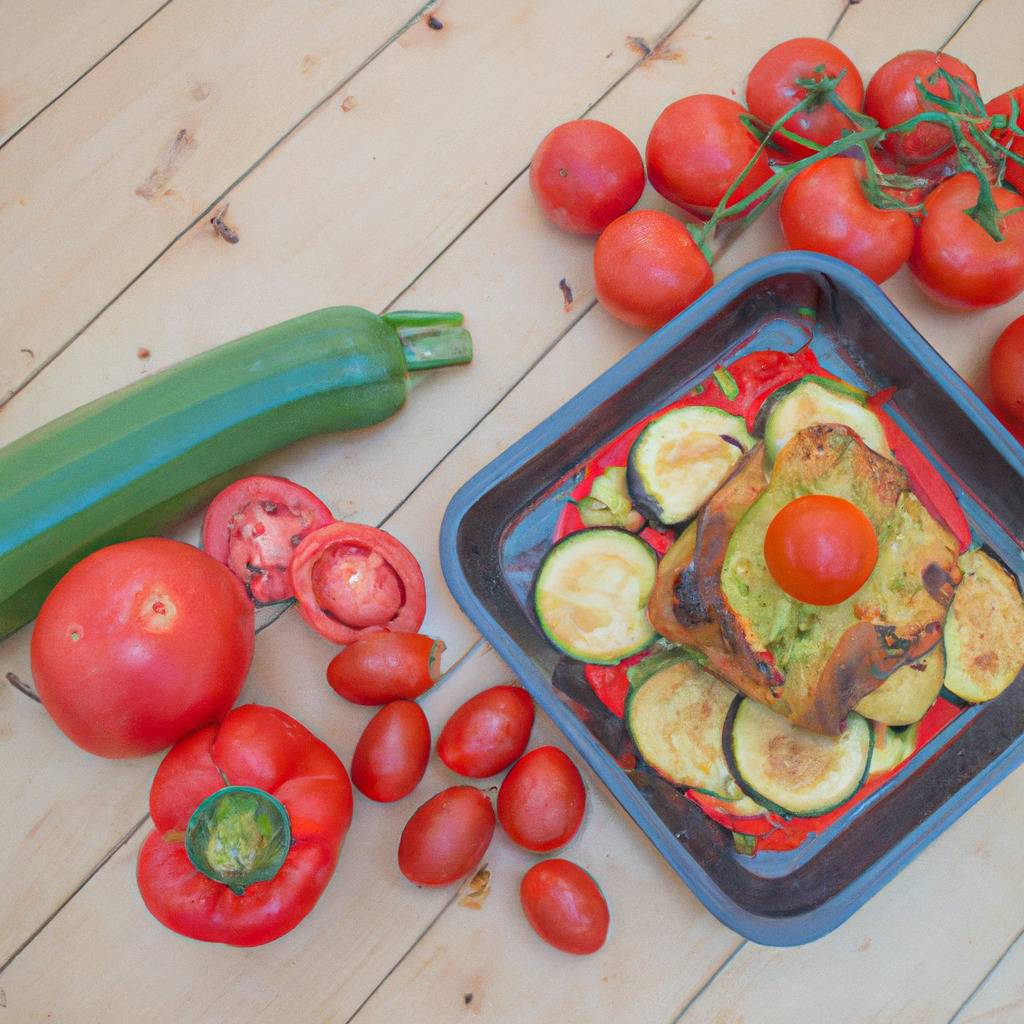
(1006, 952)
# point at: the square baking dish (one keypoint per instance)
(499, 525)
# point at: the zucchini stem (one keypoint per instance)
(431, 340)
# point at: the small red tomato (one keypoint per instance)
(825, 209)
(585, 174)
(648, 268)
(892, 97)
(541, 801)
(382, 667)
(1006, 373)
(820, 549)
(955, 260)
(447, 837)
(772, 90)
(565, 906)
(254, 526)
(487, 733)
(1002, 106)
(697, 147)
(392, 753)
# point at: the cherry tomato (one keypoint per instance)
(487, 733)
(892, 98)
(647, 268)
(139, 644)
(382, 667)
(1001, 105)
(955, 260)
(541, 801)
(352, 579)
(254, 526)
(772, 90)
(1006, 373)
(565, 906)
(697, 147)
(820, 549)
(825, 209)
(392, 753)
(585, 174)
(447, 837)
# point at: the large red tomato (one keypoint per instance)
(139, 644)
(956, 260)
(1002, 105)
(772, 90)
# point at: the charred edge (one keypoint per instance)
(939, 584)
(732, 440)
(23, 687)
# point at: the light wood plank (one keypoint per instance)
(1000, 1000)
(48, 44)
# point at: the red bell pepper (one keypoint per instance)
(250, 816)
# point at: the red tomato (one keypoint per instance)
(825, 209)
(585, 174)
(392, 753)
(647, 268)
(447, 837)
(565, 906)
(697, 147)
(139, 644)
(1001, 106)
(1006, 372)
(772, 90)
(955, 260)
(352, 579)
(541, 801)
(382, 667)
(820, 549)
(254, 526)
(487, 733)
(892, 98)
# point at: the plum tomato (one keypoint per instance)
(772, 90)
(352, 579)
(955, 260)
(647, 268)
(141, 643)
(382, 667)
(254, 526)
(392, 753)
(585, 174)
(487, 733)
(892, 97)
(1002, 106)
(565, 906)
(697, 147)
(447, 837)
(825, 209)
(820, 549)
(1006, 373)
(542, 800)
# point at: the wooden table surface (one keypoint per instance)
(375, 152)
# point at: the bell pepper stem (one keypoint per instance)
(431, 340)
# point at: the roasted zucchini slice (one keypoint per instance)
(908, 693)
(791, 770)
(681, 458)
(892, 747)
(591, 594)
(984, 632)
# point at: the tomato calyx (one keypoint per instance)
(237, 836)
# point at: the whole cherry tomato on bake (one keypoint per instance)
(648, 268)
(382, 667)
(772, 89)
(447, 837)
(254, 526)
(487, 733)
(1002, 105)
(696, 149)
(565, 906)
(139, 644)
(585, 174)
(825, 209)
(956, 260)
(893, 97)
(542, 800)
(392, 753)
(1006, 375)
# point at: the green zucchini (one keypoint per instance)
(892, 747)
(790, 770)
(132, 463)
(590, 595)
(608, 503)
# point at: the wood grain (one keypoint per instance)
(1000, 999)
